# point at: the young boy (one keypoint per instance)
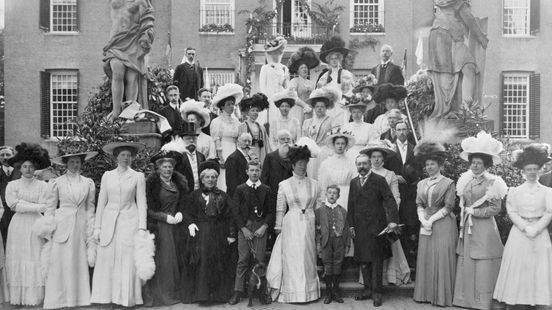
(333, 235)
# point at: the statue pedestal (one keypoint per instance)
(144, 131)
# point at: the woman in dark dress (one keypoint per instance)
(165, 192)
(209, 267)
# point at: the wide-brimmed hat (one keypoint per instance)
(110, 147)
(187, 129)
(368, 82)
(338, 132)
(384, 146)
(31, 152)
(276, 45)
(226, 91)
(355, 101)
(197, 107)
(258, 100)
(304, 55)
(83, 155)
(330, 94)
(388, 90)
(177, 157)
(427, 149)
(334, 45)
(483, 143)
(286, 95)
(534, 153)
(209, 164)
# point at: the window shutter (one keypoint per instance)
(78, 15)
(501, 128)
(535, 17)
(44, 15)
(45, 104)
(534, 106)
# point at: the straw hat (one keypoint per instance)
(276, 45)
(383, 146)
(330, 94)
(193, 106)
(110, 147)
(483, 143)
(228, 90)
(339, 132)
(83, 155)
(285, 96)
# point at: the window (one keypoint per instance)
(520, 17)
(520, 105)
(217, 16)
(59, 102)
(59, 16)
(218, 77)
(367, 16)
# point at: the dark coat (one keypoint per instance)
(545, 179)
(153, 188)
(8, 213)
(275, 170)
(371, 208)
(186, 168)
(412, 173)
(371, 115)
(207, 129)
(323, 223)
(243, 204)
(392, 74)
(189, 79)
(173, 117)
(236, 167)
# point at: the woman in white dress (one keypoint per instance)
(362, 131)
(194, 112)
(300, 63)
(338, 169)
(525, 276)
(224, 129)
(252, 106)
(292, 273)
(274, 76)
(284, 101)
(120, 216)
(340, 114)
(316, 128)
(395, 269)
(73, 248)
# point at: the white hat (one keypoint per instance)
(331, 94)
(483, 143)
(228, 90)
(338, 132)
(193, 106)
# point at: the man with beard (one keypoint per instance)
(172, 110)
(276, 168)
(6, 175)
(371, 209)
(236, 164)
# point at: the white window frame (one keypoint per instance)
(526, 7)
(72, 77)
(218, 77)
(517, 103)
(381, 13)
(205, 4)
(54, 3)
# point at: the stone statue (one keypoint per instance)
(125, 54)
(453, 65)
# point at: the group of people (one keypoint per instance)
(332, 171)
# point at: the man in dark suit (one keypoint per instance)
(371, 209)
(188, 76)
(387, 71)
(204, 95)
(236, 164)
(172, 110)
(6, 175)
(252, 215)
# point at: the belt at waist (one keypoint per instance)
(531, 219)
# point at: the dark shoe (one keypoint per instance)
(329, 290)
(336, 291)
(364, 296)
(234, 299)
(497, 305)
(328, 298)
(377, 299)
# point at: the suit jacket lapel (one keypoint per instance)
(388, 71)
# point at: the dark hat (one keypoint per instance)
(112, 146)
(209, 164)
(297, 153)
(388, 90)
(334, 45)
(304, 55)
(175, 156)
(187, 129)
(427, 149)
(534, 153)
(258, 100)
(31, 152)
(368, 81)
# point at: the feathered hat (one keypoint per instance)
(334, 45)
(338, 132)
(366, 82)
(483, 143)
(226, 91)
(197, 107)
(304, 149)
(355, 101)
(177, 157)
(209, 164)
(534, 153)
(276, 45)
(304, 55)
(384, 146)
(330, 94)
(286, 95)
(258, 100)
(388, 90)
(31, 152)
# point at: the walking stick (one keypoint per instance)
(410, 119)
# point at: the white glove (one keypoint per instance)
(469, 210)
(171, 219)
(531, 232)
(192, 228)
(307, 109)
(178, 217)
(96, 234)
(230, 240)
